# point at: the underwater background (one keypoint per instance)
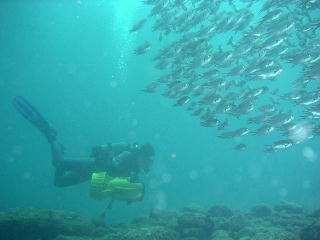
(75, 63)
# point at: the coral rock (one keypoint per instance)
(260, 210)
(189, 238)
(220, 235)
(220, 211)
(166, 218)
(316, 213)
(187, 220)
(288, 207)
(311, 232)
(42, 224)
(221, 223)
(238, 222)
(150, 233)
(194, 208)
(275, 233)
(63, 237)
(195, 225)
(194, 233)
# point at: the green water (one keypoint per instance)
(75, 63)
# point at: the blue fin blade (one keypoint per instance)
(33, 115)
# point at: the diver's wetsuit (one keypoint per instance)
(117, 159)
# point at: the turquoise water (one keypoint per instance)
(75, 63)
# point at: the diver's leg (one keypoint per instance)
(68, 173)
(72, 172)
(56, 153)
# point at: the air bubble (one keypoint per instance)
(193, 174)
(309, 154)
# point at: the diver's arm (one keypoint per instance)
(122, 160)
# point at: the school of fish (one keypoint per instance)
(245, 80)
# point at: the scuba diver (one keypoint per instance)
(112, 168)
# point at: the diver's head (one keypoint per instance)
(145, 154)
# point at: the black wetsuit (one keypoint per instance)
(117, 159)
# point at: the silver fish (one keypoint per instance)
(279, 145)
(240, 147)
(182, 101)
(264, 130)
(138, 25)
(143, 48)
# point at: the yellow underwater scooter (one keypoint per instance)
(117, 188)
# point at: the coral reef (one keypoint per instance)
(311, 232)
(194, 208)
(221, 235)
(150, 233)
(63, 237)
(195, 224)
(261, 210)
(238, 222)
(42, 224)
(316, 213)
(288, 207)
(275, 234)
(220, 211)
(289, 221)
(168, 218)
(189, 238)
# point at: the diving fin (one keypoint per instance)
(32, 115)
